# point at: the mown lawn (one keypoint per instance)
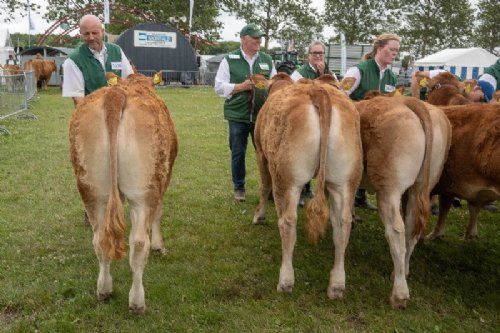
(220, 273)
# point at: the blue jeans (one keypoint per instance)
(238, 139)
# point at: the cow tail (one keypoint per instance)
(317, 210)
(421, 188)
(112, 236)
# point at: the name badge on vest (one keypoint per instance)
(234, 56)
(264, 66)
(116, 66)
(389, 88)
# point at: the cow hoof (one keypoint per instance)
(259, 220)
(160, 251)
(432, 236)
(137, 310)
(470, 238)
(103, 296)
(284, 288)
(335, 293)
(398, 303)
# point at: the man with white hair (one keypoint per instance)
(85, 69)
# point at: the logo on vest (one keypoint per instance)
(388, 88)
(264, 66)
(234, 56)
(116, 65)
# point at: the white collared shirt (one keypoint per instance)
(223, 87)
(355, 73)
(73, 82)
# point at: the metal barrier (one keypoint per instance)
(16, 89)
(170, 78)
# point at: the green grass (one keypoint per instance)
(220, 273)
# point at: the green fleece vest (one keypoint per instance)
(494, 70)
(370, 80)
(94, 75)
(237, 108)
(309, 73)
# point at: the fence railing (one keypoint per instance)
(171, 78)
(16, 89)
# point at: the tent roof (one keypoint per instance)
(4, 37)
(471, 57)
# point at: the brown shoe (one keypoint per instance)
(239, 195)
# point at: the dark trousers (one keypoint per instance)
(238, 139)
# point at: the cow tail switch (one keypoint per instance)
(317, 209)
(112, 235)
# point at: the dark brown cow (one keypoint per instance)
(472, 170)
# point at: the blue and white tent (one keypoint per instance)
(465, 63)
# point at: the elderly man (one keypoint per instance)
(85, 69)
(242, 101)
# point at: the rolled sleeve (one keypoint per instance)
(353, 72)
(126, 66)
(73, 83)
(223, 87)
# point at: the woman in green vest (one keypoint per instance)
(315, 66)
(373, 73)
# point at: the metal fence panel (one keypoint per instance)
(16, 88)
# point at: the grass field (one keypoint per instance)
(220, 273)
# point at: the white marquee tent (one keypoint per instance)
(465, 63)
(5, 45)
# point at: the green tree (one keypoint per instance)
(11, 8)
(488, 31)
(280, 19)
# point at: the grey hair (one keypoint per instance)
(316, 42)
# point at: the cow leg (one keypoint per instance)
(104, 280)
(471, 231)
(265, 189)
(444, 207)
(341, 219)
(287, 222)
(157, 243)
(388, 206)
(409, 209)
(139, 250)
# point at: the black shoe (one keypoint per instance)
(302, 201)
(239, 195)
(491, 207)
(456, 203)
(435, 210)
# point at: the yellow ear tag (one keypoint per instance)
(423, 82)
(468, 88)
(156, 79)
(397, 93)
(346, 86)
(113, 81)
(260, 85)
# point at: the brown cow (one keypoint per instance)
(123, 142)
(405, 143)
(43, 70)
(304, 129)
(472, 171)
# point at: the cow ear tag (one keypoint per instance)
(467, 88)
(156, 79)
(260, 85)
(346, 86)
(397, 93)
(423, 82)
(113, 81)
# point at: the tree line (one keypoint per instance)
(425, 26)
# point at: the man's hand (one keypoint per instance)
(321, 68)
(245, 85)
(476, 95)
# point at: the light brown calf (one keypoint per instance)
(472, 171)
(43, 70)
(305, 129)
(123, 143)
(405, 144)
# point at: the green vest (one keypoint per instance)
(494, 70)
(370, 79)
(309, 73)
(237, 107)
(94, 75)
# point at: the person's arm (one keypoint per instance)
(223, 87)
(73, 83)
(486, 84)
(355, 78)
(126, 66)
(296, 76)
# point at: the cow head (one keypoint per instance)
(347, 83)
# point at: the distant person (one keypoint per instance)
(240, 110)
(373, 73)
(85, 69)
(11, 59)
(315, 66)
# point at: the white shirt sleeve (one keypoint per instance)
(73, 84)
(296, 76)
(273, 72)
(222, 86)
(355, 73)
(435, 72)
(126, 67)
